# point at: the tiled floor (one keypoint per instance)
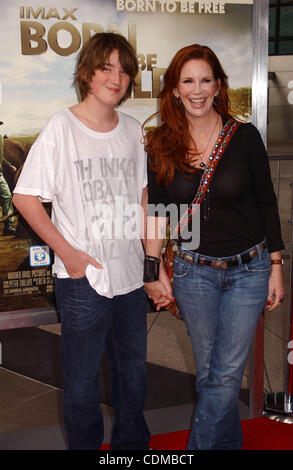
(31, 412)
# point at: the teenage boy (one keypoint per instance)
(90, 163)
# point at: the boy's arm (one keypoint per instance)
(75, 261)
(159, 291)
(144, 204)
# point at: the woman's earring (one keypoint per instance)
(177, 101)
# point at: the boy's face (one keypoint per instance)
(108, 86)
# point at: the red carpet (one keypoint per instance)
(266, 434)
(258, 433)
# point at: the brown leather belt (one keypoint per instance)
(217, 263)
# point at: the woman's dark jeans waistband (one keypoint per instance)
(221, 262)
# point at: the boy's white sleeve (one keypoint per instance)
(40, 175)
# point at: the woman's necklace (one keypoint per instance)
(202, 154)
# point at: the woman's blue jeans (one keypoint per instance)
(90, 325)
(221, 309)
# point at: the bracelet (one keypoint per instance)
(151, 269)
(277, 261)
(153, 259)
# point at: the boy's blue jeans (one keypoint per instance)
(221, 309)
(90, 325)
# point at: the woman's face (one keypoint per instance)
(197, 88)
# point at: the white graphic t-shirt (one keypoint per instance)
(94, 181)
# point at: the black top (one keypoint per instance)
(240, 208)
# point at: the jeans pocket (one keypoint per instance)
(257, 265)
(181, 268)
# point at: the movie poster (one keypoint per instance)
(39, 47)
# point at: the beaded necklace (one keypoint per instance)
(202, 154)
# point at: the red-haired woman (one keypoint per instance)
(222, 285)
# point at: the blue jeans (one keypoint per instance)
(221, 309)
(90, 325)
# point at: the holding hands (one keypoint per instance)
(160, 291)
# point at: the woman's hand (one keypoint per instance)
(276, 288)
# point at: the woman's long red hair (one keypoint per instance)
(170, 142)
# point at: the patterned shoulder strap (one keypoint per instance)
(220, 146)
